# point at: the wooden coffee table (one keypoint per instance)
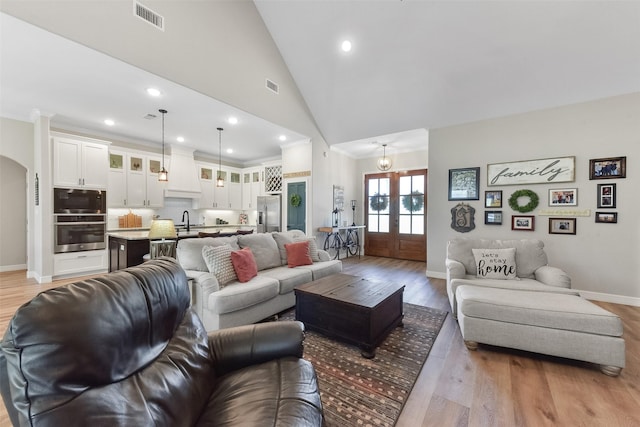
(350, 308)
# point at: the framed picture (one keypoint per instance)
(562, 226)
(523, 222)
(539, 171)
(563, 197)
(606, 195)
(611, 167)
(493, 199)
(464, 184)
(493, 217)
(607, 217)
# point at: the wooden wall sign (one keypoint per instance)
(542, 171)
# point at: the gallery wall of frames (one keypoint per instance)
(511, 198)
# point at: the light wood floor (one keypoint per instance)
(456, 387)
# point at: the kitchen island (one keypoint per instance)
(128, 246)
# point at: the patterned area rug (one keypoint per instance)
(371, 392)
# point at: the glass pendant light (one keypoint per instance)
(163, 175)
(384, 163)
(220, 181)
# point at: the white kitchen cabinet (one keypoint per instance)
(79, 164)
(252, 186)
(235, 189)
(213, 197)
(133, 180)
(75, 263)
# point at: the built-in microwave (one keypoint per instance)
(79, 201)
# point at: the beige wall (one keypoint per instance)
(602, 259)
(13, 213)
(16, 159)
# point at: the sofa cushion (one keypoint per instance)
(298, 254)
(237, 296)
(263, 395)
(189, 251)
(264, 248)
(291, 236)
(323, 269)
(530, 253)
(546, 310)
(288, 278)
(218, 260)
(244, 264)
(495, 263)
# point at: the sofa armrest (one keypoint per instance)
(324, 255)
(455, 269)
(241, 346)
(203, 284)
(553, 276)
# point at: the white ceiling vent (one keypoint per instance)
(148, 15)
(272, 86)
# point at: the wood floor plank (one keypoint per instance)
(456, 387)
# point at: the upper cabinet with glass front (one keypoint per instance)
(133, 180)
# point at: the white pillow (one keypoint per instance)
(495, 263)
(218, 260)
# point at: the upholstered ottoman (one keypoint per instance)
(548, 323)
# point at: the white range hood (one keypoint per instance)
(183, 175)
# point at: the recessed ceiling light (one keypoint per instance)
(109, 122)
(229, 150)
(180, 139)
(282, 137)
(233, 120)
(152, 91)
(346, 46)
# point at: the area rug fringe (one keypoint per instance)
(372, 392)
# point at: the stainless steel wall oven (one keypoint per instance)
(79, 219)
(74, 233)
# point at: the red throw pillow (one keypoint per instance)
(298, 254)
(244, 264)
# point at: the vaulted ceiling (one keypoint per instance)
(414, 65)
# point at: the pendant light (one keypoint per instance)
(384, 164)
(163, 175)
(220, 181)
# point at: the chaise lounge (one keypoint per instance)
(504, 294)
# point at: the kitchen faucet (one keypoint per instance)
(188, 225)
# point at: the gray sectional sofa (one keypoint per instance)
(267, 294)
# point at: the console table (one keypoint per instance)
(334, 241)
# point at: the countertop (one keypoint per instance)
(143, 233)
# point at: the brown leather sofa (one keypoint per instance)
(125, 349)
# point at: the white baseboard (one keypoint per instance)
(616, 299)
(16, 267)
(436, 274)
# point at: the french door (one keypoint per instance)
(395, 214)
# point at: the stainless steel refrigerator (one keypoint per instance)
(269, 214)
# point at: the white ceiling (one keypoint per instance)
(81, 87)
(429, 64)
(415, 65)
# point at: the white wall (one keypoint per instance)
(602, 259)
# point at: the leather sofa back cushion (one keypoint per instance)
(530, 253)
(106, 350)
(189, 251)
(264, 249)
